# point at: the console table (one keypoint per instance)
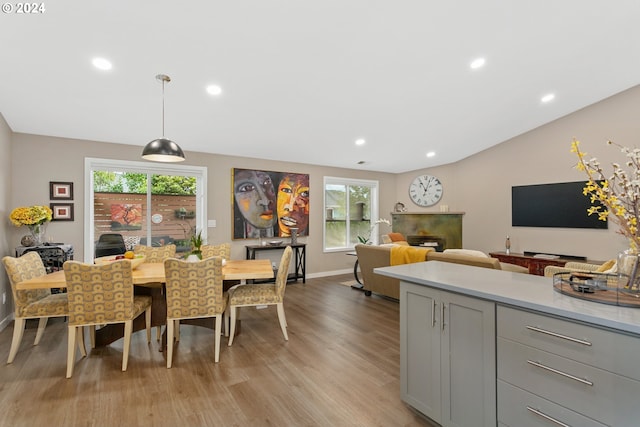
(53, 255)
(299, 255)
(534, 264)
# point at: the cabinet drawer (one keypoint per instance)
(609, 398)
(518, 408)
(602, 348)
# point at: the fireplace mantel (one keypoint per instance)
(445, 226)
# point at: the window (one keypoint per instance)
(349, 206)
(146, 203)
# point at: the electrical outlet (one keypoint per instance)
(273, 265)
(4, 298)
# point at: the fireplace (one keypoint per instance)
(436, 242)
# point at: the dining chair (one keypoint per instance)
(101, 294)
(156, 254)
(222, 250)
(31, 304)
(262, 294)
(194, 291)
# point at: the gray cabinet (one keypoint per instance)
(447, 356)
(553, 370)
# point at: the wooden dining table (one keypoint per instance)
(149, 279)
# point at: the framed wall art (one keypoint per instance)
(61, 211)
(60, 190)
(269, 204)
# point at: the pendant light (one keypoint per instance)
(162, 149)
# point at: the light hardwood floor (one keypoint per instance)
(340, 367)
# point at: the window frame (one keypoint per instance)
(97, 164)
(374, 186)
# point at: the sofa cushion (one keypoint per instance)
(468, 252)
(396, 237)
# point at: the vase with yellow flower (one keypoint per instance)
(35, 218)
(617, 197)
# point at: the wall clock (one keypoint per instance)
(425, 190)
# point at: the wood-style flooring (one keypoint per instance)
(340, 367)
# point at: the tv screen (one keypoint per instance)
(552, 205)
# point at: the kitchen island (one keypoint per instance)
(489, 347)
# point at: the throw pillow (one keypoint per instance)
(396, 237)
(607, 266)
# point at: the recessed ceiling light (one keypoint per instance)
(102, 64)
(548, 97)
(360, 141)
(431, 153)
(477, 63)
(214, 90)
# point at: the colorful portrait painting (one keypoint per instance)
(269, 204)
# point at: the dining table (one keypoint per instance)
(149, 279)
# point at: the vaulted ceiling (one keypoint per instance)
(302, 80)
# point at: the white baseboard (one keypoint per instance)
(6, 321)
(329, 273)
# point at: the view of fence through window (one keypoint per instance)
(348, 214)
(121, 206)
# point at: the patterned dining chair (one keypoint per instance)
(101, 294)
(31, 304)
(156, 254)
(262, 294)
(222, 250)
(194, 291)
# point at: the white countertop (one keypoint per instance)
(516, 289)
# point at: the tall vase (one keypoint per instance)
(629, 271)
(38, 231)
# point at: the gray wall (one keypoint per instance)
(6, 243)
(480, 185)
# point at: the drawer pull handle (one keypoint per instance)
(554, 334)
(555, 371)
(433, 314)
(547, 417)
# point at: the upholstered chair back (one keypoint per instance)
(100, 293)
(156, 254)
(20, 269)
(194, 289)
(283, 272)
(222, 250)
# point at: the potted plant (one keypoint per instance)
(196, 245)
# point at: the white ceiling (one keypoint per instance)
(303, 79)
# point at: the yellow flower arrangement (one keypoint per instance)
(30, 216)
(618, 195)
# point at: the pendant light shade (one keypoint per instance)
(163, 149)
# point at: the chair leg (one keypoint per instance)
(283, 320)
(92, 336)
(42, 324)
(158, 333)
(218, 320)
(71, 349)
(18, 330)
(233, 325)
(128, 328)
(80, 340)
(147, 318)
(170, 328)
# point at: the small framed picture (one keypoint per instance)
(61, 190)
(61, 211)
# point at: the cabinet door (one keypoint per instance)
(420, 326)
(468, 361)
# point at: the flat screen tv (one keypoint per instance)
(552, 205)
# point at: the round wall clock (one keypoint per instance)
(425, 190)
(156, 218)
